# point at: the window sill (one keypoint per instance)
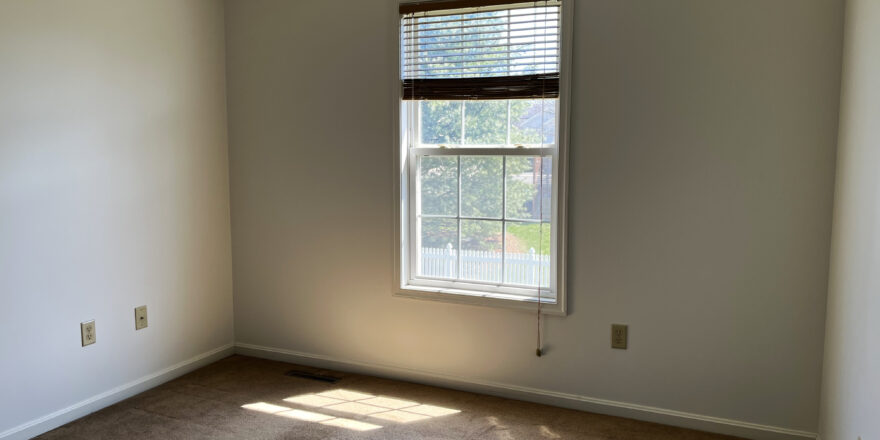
(477, 298)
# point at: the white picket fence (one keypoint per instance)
(519, 268)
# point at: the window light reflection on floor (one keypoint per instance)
(353, 402)
(309, 416)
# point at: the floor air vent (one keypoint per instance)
(312, 376)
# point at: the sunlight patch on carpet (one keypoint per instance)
(360, 404)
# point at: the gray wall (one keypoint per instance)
(851, 380)
(113, 194)
(702, 164)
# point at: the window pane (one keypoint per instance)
(439, 185)
(441, 122)
(485, 122)
(439, 245)
(527, 253)
(481, 250)
(529, 188)
(533, 121)
(482, 188)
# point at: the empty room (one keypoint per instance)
(440, 219)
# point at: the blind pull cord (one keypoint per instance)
(539, 351)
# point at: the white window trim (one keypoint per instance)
(469, 293)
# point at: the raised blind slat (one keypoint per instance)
(535, 33)
(522, 25)
(508, 43)
(506, 53)
(455, 35)
(436, 8)
(470, 71)
(514, 19)
(513, 62)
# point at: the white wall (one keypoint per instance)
(702, 164)
(113, 194)
(851, 379)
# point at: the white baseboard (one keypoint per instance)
(51, 421)
(584, 403)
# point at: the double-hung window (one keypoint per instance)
(482, 152)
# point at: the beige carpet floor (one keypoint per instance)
(247, 398)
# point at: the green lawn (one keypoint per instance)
(527, 236)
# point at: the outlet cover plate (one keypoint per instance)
(140, 317)
(87, 330)
(619, 336)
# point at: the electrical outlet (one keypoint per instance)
(618, 336)
(140, 317)
(87, 329)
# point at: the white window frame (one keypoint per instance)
(406, 166)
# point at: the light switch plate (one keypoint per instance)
(619, 336)
(87, 330)
(140, 317)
